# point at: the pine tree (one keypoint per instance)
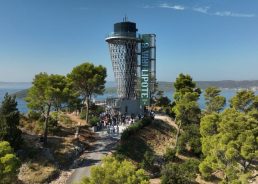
(186, 109)
(9, 121)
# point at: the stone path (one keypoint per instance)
(104, 144)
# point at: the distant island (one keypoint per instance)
(223, 84)
(14, 84)
(164, 86)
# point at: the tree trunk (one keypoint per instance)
(87, 110)
(178, 134)
(46, 126)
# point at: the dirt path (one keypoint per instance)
(167, 119)
(104, 144)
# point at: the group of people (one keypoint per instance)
(111, 121)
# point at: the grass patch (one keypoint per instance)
(41, 165)
(37, 172)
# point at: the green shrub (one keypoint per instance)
(34, 115)
(54, 115)
(191, 138)
(170, 155)
(83, 114)
(113, 171)
(205, 169)
(65, 119)
(9, 164)
(185, 173)
(96, 110)
(148, 162)
(146, 121)
(53, 125)
(132, 129)
(181, 145)
(93, 120)
(38, 127)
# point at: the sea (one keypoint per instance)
(22, 105)
(12, 88)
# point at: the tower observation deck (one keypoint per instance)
(133, 59)
(122, 47)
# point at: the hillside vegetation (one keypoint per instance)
(151, 147)
(155, 138)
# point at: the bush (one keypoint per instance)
(132, 129)
(83, 115)
(93, 111)
(185, 173)
(148, 160)
(93, 120)
(60, 117)
(34, 115)
(191, 137)
(9, 164)
(170, 155)
(38, 127)
(65, 119)
(205, 169)
(96, 110)
(113, 171)
(53, 125)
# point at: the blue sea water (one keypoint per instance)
(12, 88)
(227, 93)
(22, 106)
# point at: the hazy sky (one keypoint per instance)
(209, 39)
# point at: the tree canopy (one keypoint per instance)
(113, 171)
(184, 173)
(47, 91)
(243, 100)
(88, 80)
(214, 102)
(187, 112)
(9, 121)
(184, 84)
(229, 144)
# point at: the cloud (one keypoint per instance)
(148, 6)
(231, 14)
(201, 9)
(175, 7)
(205, 10)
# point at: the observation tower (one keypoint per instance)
(133, 59)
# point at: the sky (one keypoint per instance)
(208, 39)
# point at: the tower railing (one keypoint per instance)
(123, 34)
